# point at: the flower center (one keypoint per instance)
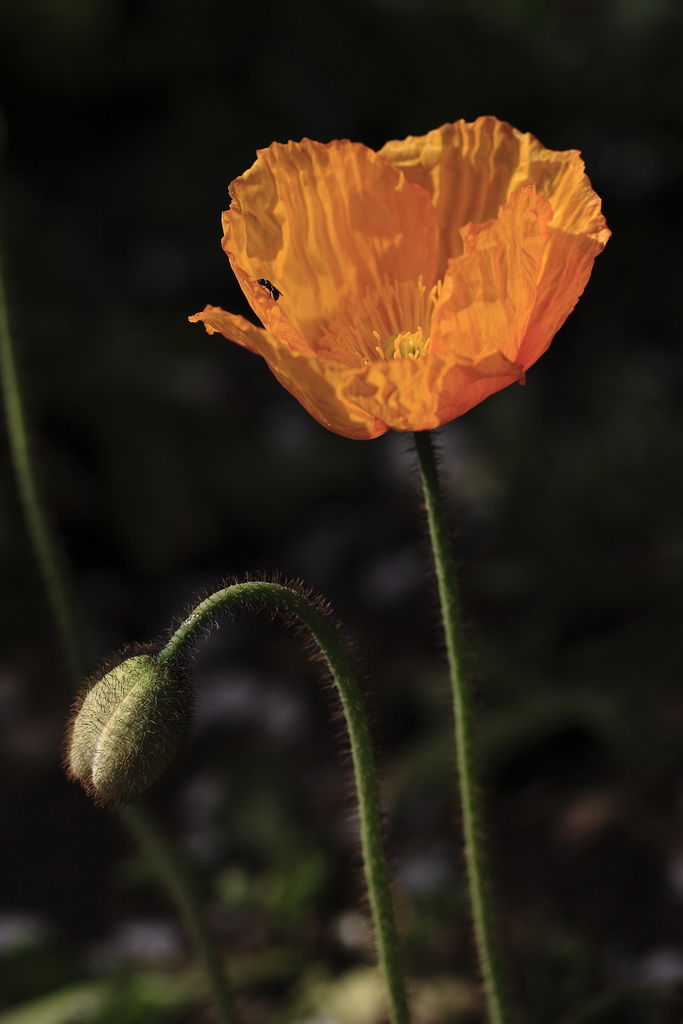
(392, 322)
(407, 345)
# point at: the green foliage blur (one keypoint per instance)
(171, 460)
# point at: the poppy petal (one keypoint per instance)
(316, 383)
(470, 169)
(489, 292)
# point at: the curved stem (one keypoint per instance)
(257, 595)
(471, 807)
(55, 577)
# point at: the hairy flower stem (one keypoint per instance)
(471, 808)
(55, 576)
(256, 595)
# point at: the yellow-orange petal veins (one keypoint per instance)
(398, 289)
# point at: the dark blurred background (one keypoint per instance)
(171, 460)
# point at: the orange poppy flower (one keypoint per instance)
(398, 289)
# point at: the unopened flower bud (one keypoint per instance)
(128, 729)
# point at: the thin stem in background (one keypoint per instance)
(256, 595)
(486, 936)
(55, 576)
(181, 882)
(48, 554)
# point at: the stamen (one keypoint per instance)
(410, 345)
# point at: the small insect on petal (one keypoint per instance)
(274, 292)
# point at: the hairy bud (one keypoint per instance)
(128, 729)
